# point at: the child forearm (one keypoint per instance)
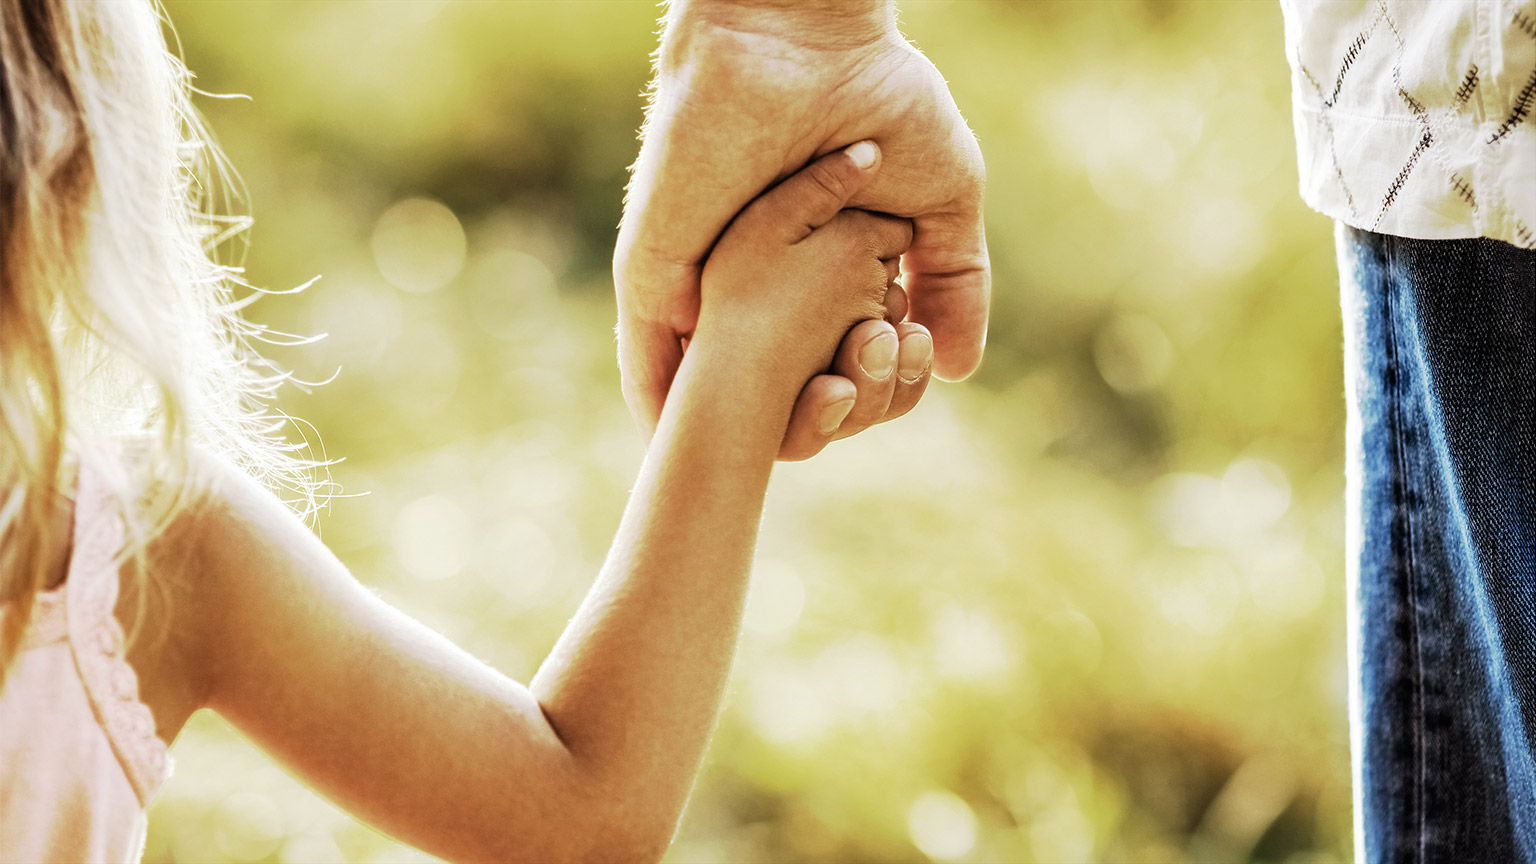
(634, 684)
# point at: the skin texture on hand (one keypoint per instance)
(747, 93)
(795, 271)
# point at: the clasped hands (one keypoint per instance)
(746, 93)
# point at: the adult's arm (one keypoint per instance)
(746, 92)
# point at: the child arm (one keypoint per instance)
(595, 762)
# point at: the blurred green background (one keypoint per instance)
(1086, 606)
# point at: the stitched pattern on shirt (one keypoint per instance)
(1425, 140)
(1524, 22)
(1468, 84)
(1350, 55)
(1458, 183)
(1521, 110)
(1333, 153)
(1402, 176)
(1517, 115)
(1352, 129)
(1349, 60)
(1463, 93)
(1524, 235)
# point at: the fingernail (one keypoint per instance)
(863, 153)
(833, 415)
(916, 354)
(878, 357)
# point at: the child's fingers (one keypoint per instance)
(819, 411)
(888, 236)
(895, 303)
(827, 404)
(809, 198)
(914, 367)
(868, 358)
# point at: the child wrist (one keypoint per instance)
(759, 369)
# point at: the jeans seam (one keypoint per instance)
(1397, 395)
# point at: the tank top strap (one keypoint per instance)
(96, 640)
(48, 625)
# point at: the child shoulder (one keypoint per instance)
(198, 591)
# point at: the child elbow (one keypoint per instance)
(638, 847)
(621, 825)
(620, 839)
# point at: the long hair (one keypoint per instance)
(117, 324)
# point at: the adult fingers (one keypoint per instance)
(948, 279)
(649, 355)
(812, 196)
(868, 358)
(691, 179)
(914, 363)
(819, 411)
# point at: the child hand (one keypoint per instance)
(852, 398)
(794, 271)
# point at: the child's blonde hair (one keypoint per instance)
(116, 322)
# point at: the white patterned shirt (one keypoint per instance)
(1413, 117)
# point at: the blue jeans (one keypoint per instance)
(1440, 343)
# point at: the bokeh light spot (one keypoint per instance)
(517, 558)
(1062, 835)
(786, 708)
(1132, 353)
(1284, 581)
(1222, 237)
(250, 827)
(425, 369)
(313, 849)
(512, 295)
(432, 537)
(861, 675)
(1201, 596)
(1076, 635)
(360, 319)
(970, 646)
(1255, 493)
(418, 245)
(942, 825)
(776, 599)
(1189, 508)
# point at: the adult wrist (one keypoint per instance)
(817, 25)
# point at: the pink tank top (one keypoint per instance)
(79, 757)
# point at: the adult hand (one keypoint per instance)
(745, 94)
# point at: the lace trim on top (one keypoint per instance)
(96, 639)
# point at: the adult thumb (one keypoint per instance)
(809, 198)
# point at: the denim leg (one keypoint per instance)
(1440, 342)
